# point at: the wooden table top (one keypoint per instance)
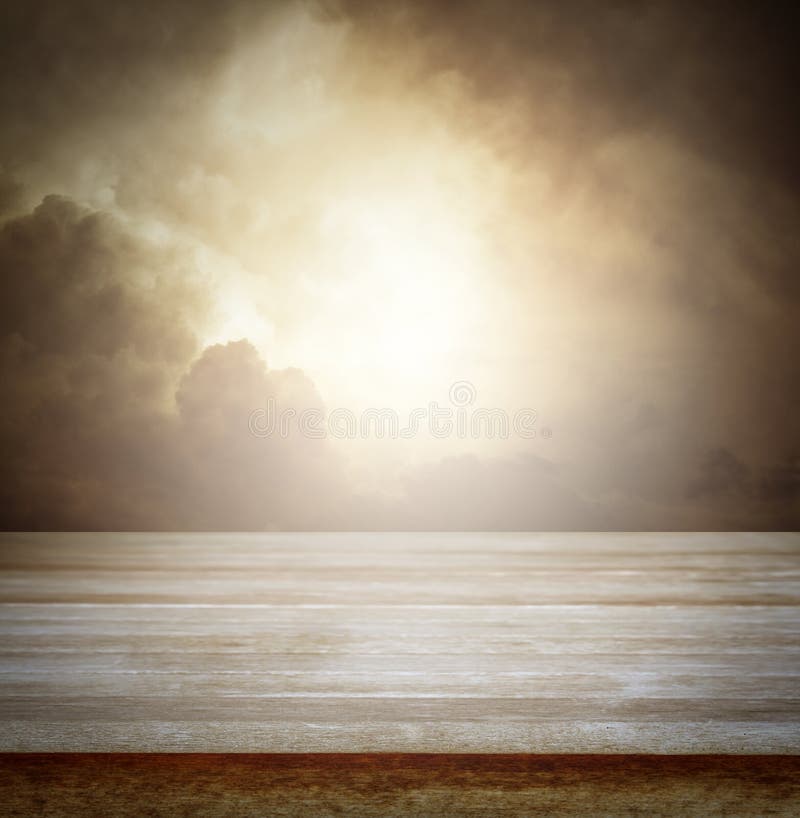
(439, 643)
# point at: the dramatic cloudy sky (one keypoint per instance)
(589, 210)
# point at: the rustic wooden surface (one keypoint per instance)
(485, 643)
(397, 786)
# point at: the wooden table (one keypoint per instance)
(529, 644)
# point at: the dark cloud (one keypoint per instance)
(745, 496)
(721, 474)
(781, 483)
(719, 76)
(114, 418)
(110, 420)
(63, 264)
(65, 68)
(661, 140)
(92, 338)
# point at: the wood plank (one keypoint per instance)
(398, 786)
(568, 643)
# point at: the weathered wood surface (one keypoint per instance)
(397, 786)
(501, 643)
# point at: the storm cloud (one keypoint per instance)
(592, 210)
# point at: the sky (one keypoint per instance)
(218, 214)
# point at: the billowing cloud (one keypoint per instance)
(112, 415)
(590, 211)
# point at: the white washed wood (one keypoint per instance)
(400, 642)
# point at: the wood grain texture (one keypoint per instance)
(445, 643)
(397, 786)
